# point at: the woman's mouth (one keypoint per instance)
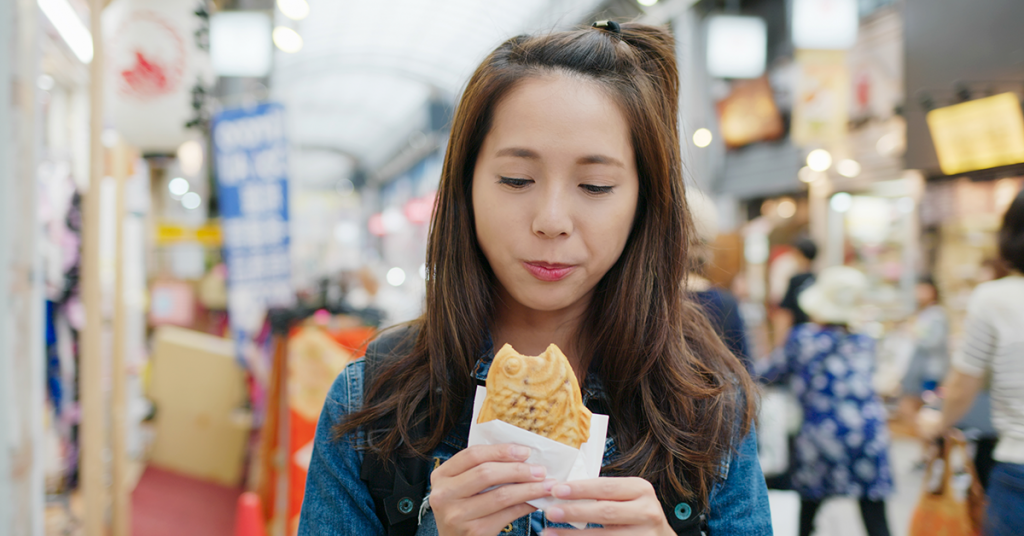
(546, 271)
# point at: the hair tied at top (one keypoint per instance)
(609, 25)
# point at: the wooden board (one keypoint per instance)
(120, 494)
(93, 420)
(198, 389)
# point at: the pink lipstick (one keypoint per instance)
(546, 271)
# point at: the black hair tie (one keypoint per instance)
(609, 25)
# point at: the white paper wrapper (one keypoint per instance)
(563, 462)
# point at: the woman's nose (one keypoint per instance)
(552, 216)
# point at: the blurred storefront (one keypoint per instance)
(960, 219)
(965, 132)
(807, 140)
(255, 179)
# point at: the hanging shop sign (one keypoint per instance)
(419, 210)
(240, 43)
(157, 69)
(749, 114)
(821, 109)
(825, 24)
(251, 163)
(169, 233)
(736, 46)
(978, 134)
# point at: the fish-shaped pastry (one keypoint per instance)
(539, 394)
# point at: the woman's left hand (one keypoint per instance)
(626, 505)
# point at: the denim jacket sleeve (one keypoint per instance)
(739, 502)
(337, 501)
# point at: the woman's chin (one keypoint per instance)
(546, 301)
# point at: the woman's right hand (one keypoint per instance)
(460, 508)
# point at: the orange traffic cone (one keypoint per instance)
(249, 518)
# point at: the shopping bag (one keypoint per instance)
(955, 505)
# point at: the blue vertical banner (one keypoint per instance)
(252, 184)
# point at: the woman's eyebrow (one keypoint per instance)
(590, 159)
(520, 152)
(599, 159)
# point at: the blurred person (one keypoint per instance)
(790, 313)
(720, 306)
(930, 358)
(754, 315)
(842, 446)
(977, 424)
(993, 345)
(992, 269)
(392, 304)
(561, 218)
(363, 288)
(978, 429)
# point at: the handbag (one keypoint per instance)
(947, 510)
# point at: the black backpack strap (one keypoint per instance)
(397, 485)
(684, 518)
(397, 488)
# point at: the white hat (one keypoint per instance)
(835, 295)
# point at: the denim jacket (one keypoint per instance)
(337, 502)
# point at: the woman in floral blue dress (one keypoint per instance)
(842, 448)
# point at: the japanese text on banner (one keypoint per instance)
(251, 163)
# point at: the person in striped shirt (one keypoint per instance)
(993, 347)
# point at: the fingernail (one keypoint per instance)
(538, 471)
(548, 484)
(555, 513)
(561, 490)
(520, 452)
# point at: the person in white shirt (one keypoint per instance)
(994, 346)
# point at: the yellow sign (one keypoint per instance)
(978, 134)
(209, 235)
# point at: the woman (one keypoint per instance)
(842, 447)
(993, 345)
(931, 355)
(560, 219)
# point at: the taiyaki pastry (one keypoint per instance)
(539, 394)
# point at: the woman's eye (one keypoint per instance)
(515, 183)
(593, 189)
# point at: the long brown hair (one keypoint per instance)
(678, 399)
(1011, 234)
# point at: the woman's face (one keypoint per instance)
(554, 191)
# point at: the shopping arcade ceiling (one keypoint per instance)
(359, 89)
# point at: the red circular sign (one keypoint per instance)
(147, 56)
